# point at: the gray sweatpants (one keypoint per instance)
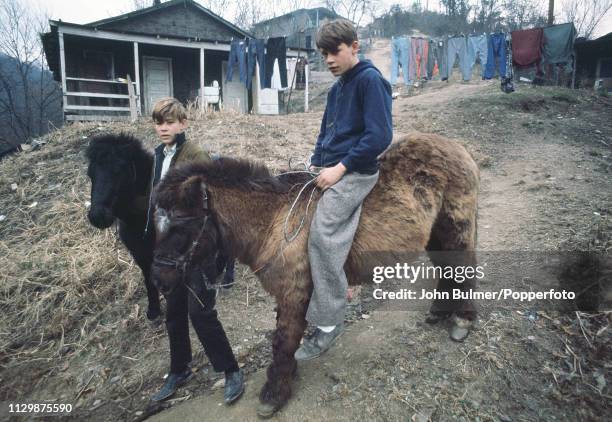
(330, 239)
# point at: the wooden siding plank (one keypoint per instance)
(95, 94)
(99, 108)
(202, 102)
(63, 69)
(92, 118)
(110, 81)
(137, 75)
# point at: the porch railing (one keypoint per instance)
(130, 111)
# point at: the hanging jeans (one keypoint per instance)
(418, 59)
(275, 49)
(237, 55)
(477, 48)
(256, 54)
(457, 47)
(437, 54)
(496, 56)
(400, 56)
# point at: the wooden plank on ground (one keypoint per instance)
(132, 96)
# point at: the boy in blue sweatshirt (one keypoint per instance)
(355, 130)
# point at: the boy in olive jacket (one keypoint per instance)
(170, 122)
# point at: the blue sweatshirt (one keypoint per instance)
(356, 126)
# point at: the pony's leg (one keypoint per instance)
(452, 243)
(142, 252)
(290, 326)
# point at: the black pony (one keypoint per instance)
(120, 172)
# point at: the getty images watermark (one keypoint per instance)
(554, 280)
(459, 274)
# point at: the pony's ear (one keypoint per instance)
(191, 194)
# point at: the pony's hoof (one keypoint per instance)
(266, 410)
(459, 334)
(460, 329)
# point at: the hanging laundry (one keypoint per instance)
(496, 55)
(300, 75)
(400, 55)
(527, 47)
(507, 85)
(558, 48)
(255, 55)
(457, 48)
(436, 57)
(237, 55)
(476, 49)
(418, 58)
(276, 51)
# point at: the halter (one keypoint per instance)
(183, 261)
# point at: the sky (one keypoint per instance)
(85, 11)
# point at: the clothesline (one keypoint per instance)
(422, 57)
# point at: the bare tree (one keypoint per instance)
(522, 14)
(27, 92)
(248, 13)
(141, 4)
(218, 7)
(586, 14)
(353, 10)
(487, 15)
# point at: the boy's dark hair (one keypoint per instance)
(334, 33)
(168, 109)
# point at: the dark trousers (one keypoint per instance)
(496, 56)
(237, 55)
(207, 326)
(275, 49)
(256, 53)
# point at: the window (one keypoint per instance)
(98, 65)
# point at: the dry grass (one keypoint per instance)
(66, 286)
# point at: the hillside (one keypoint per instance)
(72, 327)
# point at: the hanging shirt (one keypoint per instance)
(527, 46)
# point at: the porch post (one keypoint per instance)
(202, 104)
(137, 77)
(63, 69)
(306, 87)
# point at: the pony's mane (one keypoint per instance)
(112, 146)
(236, 173)
(224, 172)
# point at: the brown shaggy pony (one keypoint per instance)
(425, 200)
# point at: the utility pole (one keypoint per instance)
(551, 11)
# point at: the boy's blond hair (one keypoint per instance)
(334, 33)
(168, 109)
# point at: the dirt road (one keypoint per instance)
(541, 190)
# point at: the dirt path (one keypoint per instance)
(393, 367)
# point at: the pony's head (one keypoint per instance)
(188, 238)
(112, 169)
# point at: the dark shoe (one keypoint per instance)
(318, 343)
(234, 386)
(173, 382)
